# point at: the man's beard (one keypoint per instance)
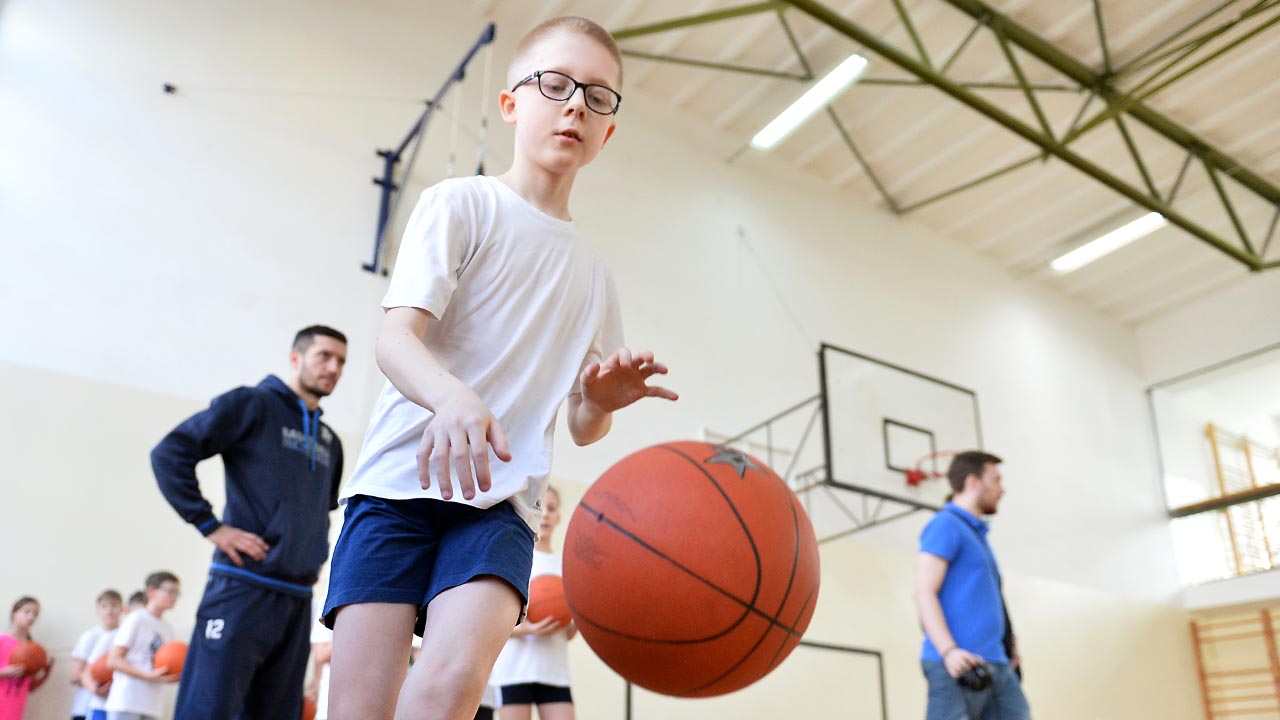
(308, 383)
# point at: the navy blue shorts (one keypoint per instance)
(410, 551)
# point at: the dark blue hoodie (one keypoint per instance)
(282, 471)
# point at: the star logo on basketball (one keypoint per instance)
(739, 460)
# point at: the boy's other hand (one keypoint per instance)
(621, 380)
(459, 437)
(232, 541)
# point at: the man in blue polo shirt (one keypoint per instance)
(960, 604)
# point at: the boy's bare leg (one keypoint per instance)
(466, 629)
(370, 657)
(555, 711)
(515, 712)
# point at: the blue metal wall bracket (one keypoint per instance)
(389, 187)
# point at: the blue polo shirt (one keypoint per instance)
(970, 593)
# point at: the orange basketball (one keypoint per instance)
(171, 655)
(308, 708)
(546, 599)
(691, 569)
(30, 655)
(99, 671)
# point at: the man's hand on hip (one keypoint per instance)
(232, 541)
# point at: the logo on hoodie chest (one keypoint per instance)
(297, 441)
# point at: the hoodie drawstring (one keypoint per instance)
(310, 430)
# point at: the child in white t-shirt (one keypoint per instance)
(109, 607)
(98, 692)
(97, 708)
(137, 687)
(497, 314)
(533, 669)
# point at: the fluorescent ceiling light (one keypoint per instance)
(1108, 243)
(816, 98)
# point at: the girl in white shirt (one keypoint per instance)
(533, 668)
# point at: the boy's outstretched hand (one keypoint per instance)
(622, 379)
(459, 436)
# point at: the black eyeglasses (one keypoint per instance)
(560, 87)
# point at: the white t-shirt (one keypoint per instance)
(101, 647)
(142, 634)
(530, 658)
(520, 307)
(82, 650)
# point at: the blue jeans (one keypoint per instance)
(948, 701)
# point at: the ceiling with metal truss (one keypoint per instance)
(1021, 128)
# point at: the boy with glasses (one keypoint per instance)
(496, 312)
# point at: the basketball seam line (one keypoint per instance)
(600, 517)
(795, 562)
(750, 606)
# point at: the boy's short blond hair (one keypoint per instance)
(571, 24)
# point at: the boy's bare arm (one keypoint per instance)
(463, 428)
(117, 662)
(612, 385)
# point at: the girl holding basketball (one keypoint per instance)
(533, 668)
(15, 684)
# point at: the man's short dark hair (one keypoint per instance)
(158, 578)
(303, 339)
(969, 462)
(138, 598)
(111, 595)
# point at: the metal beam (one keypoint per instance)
(911, 32)
(1201, 63)
(862, 161)
(988, 177)
(712, 65)
(971, 84)
(955, 54)
(1102, 36)
(1226, 203)
(1160, 50)
(1079, 72)
(1052, 147)
(1271, 235)
(795, 44)
(702, 19)
(1011, 36)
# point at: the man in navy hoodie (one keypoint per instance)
(248, 654)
